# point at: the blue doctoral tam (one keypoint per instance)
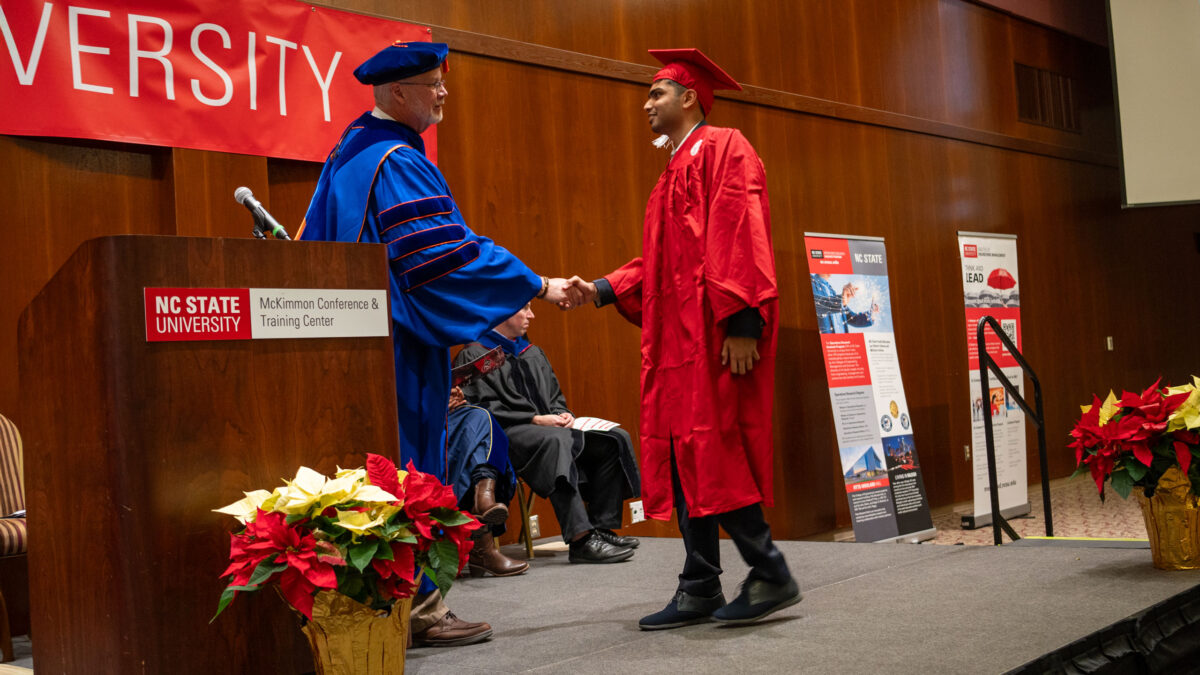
(400, 60)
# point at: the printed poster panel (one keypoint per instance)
(879, 462)
(991, 288)
(205, 314)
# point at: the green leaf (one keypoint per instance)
(444, 580)
(265, 570)
(334, 530)
(443, 558)
(441, 554)
(385, 552)
(1122, 482)
(294, 518)
(1137, 470)
(227, 597)
(449, 517)
(397, 521)
(1080, 470)
(351, 585)
(361, 555)
(442, 577)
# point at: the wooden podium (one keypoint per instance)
(130, 444)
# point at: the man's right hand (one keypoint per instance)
(557, 290)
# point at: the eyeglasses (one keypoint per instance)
(440, 84)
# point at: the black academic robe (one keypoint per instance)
(526, 386)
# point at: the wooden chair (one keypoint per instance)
(525, 501)
(14, 541)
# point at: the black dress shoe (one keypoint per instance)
(593, 549)
(757, 600)
(683, 610)
(617, 539)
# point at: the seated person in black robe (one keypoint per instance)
(585, 475)
(483, 480)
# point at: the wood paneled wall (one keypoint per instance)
(892, 118)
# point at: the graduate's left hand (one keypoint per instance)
(456, 398)
(739, 353)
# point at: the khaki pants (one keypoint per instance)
(427, 610)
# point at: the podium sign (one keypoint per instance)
(184, 314)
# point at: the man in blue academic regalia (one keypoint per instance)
(377, 186)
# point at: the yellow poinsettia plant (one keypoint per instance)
(367, 533)
(1133, 440)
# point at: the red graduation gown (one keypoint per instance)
(706, 254)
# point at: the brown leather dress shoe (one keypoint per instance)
(487, 509)
(452, 631)
(485, 558)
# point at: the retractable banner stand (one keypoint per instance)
(874, 431)
(990, 288)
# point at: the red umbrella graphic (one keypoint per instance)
(1001, 279)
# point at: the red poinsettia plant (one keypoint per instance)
(367, 533)
(1133, 440)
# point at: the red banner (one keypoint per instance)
(258, 77)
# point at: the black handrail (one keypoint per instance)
(986, 363)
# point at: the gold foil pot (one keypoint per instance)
(349, 638)
(1173, 522)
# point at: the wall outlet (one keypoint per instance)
(966, 453)
(636, 514)
(1108, 342)
(534, 530)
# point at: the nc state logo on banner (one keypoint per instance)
(261, 77)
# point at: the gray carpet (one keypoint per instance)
(894, 608)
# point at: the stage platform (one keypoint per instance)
(892, 608)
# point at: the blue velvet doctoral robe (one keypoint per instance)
(475, 438)
(448, 284)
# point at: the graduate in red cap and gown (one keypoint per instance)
(705, 296)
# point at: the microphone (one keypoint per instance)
(262, 219)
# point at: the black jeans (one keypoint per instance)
(750, 533)
(600, 481)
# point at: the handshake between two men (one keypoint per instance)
(738, 352)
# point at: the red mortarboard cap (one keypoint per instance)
(691, 68)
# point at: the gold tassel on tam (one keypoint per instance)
(349, 638)
(1173, 522)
